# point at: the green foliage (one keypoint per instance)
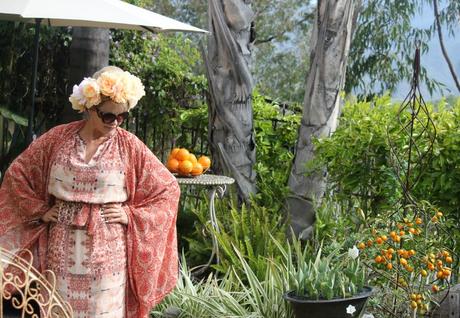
(281, 48)
(365, 184)
(276, 135)
(357, 155)
(383, 45)
(362, 174)
(249, 231)
(335, 222)
(228, 296)
(15, 83)
(12, 128)
(402, 246)
(166, 64)
(247, 228)
(359, 162)
(16, 68)
(313, 275)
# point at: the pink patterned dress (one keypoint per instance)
(103, 270)
(87, 255)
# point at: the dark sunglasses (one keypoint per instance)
(108, 118)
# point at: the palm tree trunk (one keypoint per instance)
(89, 52)
(231, 120)
(330, 45)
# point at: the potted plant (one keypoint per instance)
(322, 286)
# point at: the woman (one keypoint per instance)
(96, 206)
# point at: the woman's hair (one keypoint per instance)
(109, 68)
(109, 83)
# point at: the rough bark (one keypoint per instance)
(89, 52)
(231, 119)
(330, 45)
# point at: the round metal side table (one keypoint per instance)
(217, 185)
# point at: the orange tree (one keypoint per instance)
(409, 245)
(408, 258)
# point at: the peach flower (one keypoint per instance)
(120, 86)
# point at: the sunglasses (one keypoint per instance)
(108, 118)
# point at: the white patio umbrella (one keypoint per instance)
(85, 13)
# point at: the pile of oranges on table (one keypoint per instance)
(185, 163)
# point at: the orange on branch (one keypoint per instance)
(185, 167)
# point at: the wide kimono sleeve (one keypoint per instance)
(23, 195)
(151, 235)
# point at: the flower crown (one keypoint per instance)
(119, 86)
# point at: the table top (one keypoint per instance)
(205, 179)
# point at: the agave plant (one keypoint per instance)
(317, 276)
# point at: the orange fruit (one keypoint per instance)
(192, 158)
(197, 169)
(446, 272)
(182, 154)
(174, 152)
(205, 162)
(173, 165)
(185, 167)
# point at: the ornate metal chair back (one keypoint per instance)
(26, 292)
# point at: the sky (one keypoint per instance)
(434, 61)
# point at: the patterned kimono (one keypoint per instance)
(103, 270)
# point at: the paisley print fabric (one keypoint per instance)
(101, 180)
(152, 195)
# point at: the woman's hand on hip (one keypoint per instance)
(114, 213)
(51, 215)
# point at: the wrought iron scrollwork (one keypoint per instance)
(24, 286)
(417, 130)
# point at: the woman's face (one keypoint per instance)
(100, 116)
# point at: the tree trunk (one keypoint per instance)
(230, 121)
(89, 52)
(330, 44)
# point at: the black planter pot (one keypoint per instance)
(333, 308)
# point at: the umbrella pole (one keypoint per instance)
(30, 126)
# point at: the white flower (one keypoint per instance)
(351, 309)
(353, 252)
(368, 316)
(86, 94)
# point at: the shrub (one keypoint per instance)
(360, 168)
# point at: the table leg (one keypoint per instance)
(219, 191)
